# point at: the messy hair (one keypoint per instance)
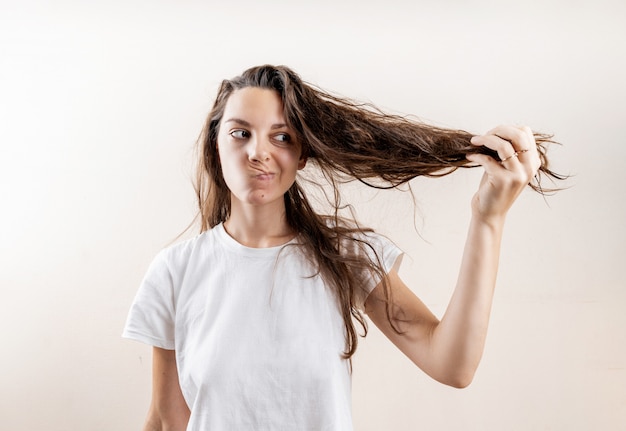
(344, 140)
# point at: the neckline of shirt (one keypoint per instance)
(232, 244)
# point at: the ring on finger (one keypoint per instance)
(515, 154)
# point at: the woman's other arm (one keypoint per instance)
(168, 409)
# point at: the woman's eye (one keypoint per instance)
(283, 137)
(240, 134)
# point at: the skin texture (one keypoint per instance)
(259, 167)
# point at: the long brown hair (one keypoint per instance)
(344, 140)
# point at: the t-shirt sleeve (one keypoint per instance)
(390, 256)
(152, 314)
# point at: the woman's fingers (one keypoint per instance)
(504, 179)
(506, 151)
(516, 147)
(517, 136)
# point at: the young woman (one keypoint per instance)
(253, 320)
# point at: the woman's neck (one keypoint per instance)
(258, 226)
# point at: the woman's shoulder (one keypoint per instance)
(180, 252)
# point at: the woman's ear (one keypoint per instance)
(302, 163)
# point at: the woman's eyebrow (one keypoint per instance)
(239, 121)
(247, 124)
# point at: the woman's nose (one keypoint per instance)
(259, 151)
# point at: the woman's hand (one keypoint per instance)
(504, 180)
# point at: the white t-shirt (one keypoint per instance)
(258, 337)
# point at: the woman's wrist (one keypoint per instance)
(493, 222)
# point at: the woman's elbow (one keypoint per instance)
(458, 379)
(461, 383)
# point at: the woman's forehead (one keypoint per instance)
(255, 105)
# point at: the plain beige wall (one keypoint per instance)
(100, 104)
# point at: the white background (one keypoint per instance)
(100, 106)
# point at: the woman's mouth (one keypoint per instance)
(264, 176)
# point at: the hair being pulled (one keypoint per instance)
(365, 143)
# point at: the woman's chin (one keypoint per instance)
(262, 198)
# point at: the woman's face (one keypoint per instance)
(257, 151)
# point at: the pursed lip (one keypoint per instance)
(263, 175)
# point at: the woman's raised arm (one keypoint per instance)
(450, 350)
